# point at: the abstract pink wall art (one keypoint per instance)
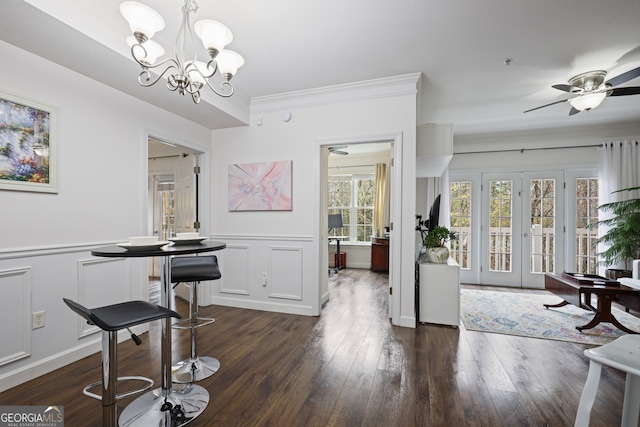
(262, 186)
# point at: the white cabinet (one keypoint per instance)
(439, 300)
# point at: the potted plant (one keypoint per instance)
(622, 236)
(435, 241)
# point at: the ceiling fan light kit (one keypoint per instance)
(591, 89)
(587, 101)
(188, 74)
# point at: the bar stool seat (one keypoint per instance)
(194, 269)
(111, 319)
(623, 354)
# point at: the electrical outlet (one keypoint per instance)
(37, 320)
(264, 279)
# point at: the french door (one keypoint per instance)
(522, 231)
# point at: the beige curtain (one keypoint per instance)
(381, 202)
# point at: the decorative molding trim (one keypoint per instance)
(15, 253)
(246, 249)
(262, 237)
(407, 84)
(83, 328)
(291, 267)
(25, 272)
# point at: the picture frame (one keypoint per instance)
(263, 186)
(28, 145)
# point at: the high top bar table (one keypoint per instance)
(158, 407)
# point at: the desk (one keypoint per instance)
(338, 266)
(577, 291)
(154, 407)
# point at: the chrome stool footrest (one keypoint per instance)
(187, 324)
(149, 382)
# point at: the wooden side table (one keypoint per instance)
(380, 254)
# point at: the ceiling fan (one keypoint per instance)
(591, 89)
(337, 149)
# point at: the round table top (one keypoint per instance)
(115, 251)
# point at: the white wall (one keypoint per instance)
(47, 238)
(252, 235)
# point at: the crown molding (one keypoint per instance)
(407, 84)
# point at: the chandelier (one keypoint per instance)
(185, 72)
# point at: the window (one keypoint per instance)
(500, 224)
(460, 201)
(542, 217)
(353, 197)
(586, 213)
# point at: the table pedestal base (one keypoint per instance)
(157, 409)
(192, 370)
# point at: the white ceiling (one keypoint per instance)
(458, 45)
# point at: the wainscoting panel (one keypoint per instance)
(270, 273)
(285, 272)
(235, 261)
(101, 282)
(15, 286)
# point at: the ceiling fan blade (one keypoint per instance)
(553, 103)
(337, 149)
(567, 88)
(624, 77)
(623, 91)
(573, 111)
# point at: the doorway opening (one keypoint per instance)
(173, 194)
(349, 189)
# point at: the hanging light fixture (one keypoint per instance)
(184, 74)
(587, 101)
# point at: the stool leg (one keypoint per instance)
(194, 368)
(193, 316)
(631, 407)
(109, 378)
(588, 395)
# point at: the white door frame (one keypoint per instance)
(395, 241)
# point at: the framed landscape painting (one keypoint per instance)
(262, 186)
(28, 145)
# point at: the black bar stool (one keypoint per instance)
(194, 269)
(111, 319)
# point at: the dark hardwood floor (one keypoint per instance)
(350, 367)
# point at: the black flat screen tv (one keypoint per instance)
(434, 214)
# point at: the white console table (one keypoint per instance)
(439, 293)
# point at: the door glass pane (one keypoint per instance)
(339, 202)
(460, 218)
(586, 213)
(167, 202)
(542, 225)
(500, 220)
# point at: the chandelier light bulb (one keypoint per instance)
(587, 101)
(142, 19)
(197, 71)
(229, 62)
(148, 52)
(214, 35)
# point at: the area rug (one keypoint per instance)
(523, 314)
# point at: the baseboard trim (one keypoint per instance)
(303, 310)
